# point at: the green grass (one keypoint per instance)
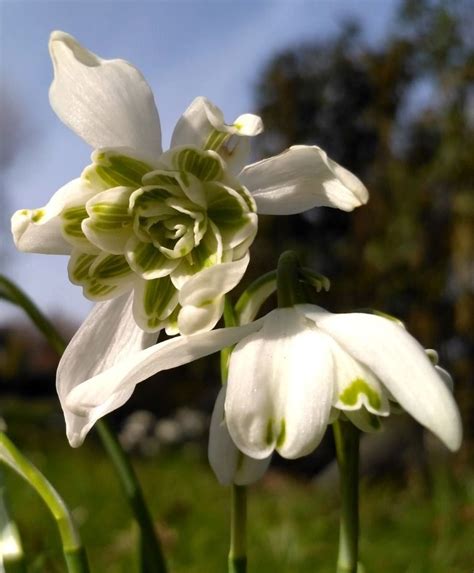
(292, 527)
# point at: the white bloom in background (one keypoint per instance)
(229, 464)
(171, 228)
(289, 370)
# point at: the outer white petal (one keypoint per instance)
(280, 387)
(229, 464)
(106, 102)
(402, 366)
(200, 123)
(202, 295)
(202, 117)
(108, 335)
(107, 391)
(40, 230)
(299, 179)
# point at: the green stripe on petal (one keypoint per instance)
(155, 300)
(110, 169)
(72, 220)
(148, 261)
(216, 139)
(204, 165)
(110, 267)
(101, 276)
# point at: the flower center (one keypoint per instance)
(137, 222)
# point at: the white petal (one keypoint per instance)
(401, 364)
(202, 125)
(299, 179)
(280, 387)
(108, 335)
(111, 388)
(192, 319)
(445, 377)
(40, 230)
(106, 102)
(202, 118)
(229, 464)
(212, 282)
(203, 293)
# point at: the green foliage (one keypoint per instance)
(293, 525)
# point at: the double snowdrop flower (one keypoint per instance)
(171, 228)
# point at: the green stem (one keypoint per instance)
(152, 560)
(151, 553)
(238, 511)
(288, 287)
(229, 320)
(238, 530)
(73, 551)
(346, 436)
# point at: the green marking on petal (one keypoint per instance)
(80, 268)
(115, 170)
(359, 386)
(269, 432)
(147, 257)
(95, 289)
(216, 139)
(282, 434)
(109, 216)
(37, 215)
(204, 166)
(111, 267)
(159, 300)
(73, 218)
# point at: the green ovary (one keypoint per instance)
(359, 386)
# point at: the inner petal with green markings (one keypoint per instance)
(152, 228)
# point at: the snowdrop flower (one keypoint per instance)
(285, 380)
(289, 370)
(171, 228)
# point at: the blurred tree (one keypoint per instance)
(401, 116)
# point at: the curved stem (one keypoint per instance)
(346, 436)
(288, 287)
(151, 554)
(74, 553)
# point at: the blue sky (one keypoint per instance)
(215, 48)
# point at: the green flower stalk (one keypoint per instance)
(74, 553)
(346, 437)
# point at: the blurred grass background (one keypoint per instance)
(293, 523)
